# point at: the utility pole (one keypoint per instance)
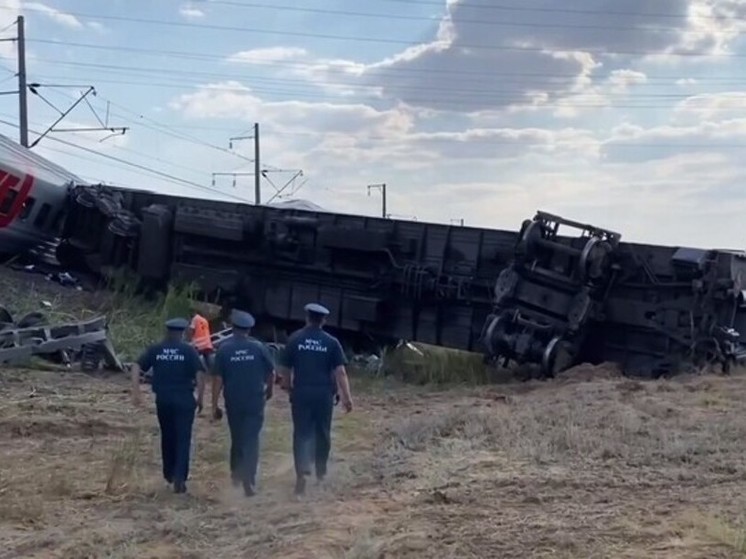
(459, 221)
(382, 188)
(257, 167)
(257, 163)
(22, 103)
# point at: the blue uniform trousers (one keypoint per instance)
(245, 424)
(176, 419)
(312, 425)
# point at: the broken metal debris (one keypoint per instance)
(32, 336)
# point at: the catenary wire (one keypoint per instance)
(458, 102)
(357, 38)
(387, 72)
(171, 178)
(459, 94)
(436, 19)
(576, 11)
(331, 69)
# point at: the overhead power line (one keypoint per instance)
(466, 138)
(393, 16)
(169, 177)
(357, 38)
(450, 102)
(331, 69)
(458, 94)
(576, 11)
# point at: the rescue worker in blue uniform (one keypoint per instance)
(245, 370)
(177, 368)
(313, 371)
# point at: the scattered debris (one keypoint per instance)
(32, 336)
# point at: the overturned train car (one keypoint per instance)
(540, 295)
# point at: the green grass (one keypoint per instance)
(135, 322)
(422, 364)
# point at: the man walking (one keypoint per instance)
(176, 369)
(313, 370)
(245, 370)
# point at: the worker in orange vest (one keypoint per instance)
(198, 335)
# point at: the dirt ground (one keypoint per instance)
(593, 465)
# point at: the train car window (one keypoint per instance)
(28, 205)
(42, 216)
(7, 202)
(58, 221)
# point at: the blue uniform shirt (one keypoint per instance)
(175, 366)
(313, 354)
(245, 365)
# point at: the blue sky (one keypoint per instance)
(485, 110)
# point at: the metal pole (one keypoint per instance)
(22, 89)
(257, 167)
(383, 193)
(383, 197)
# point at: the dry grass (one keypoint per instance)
(601, 468)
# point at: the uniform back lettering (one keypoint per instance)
(241, 355)
(170, 354)
(309, 344)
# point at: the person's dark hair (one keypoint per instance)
(174, 335)
(241, 331)
(315, 318)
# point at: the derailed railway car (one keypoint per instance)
(532, 296)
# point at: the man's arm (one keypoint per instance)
(339, 360)
(269, 372)
(343, 385)
(199, 370)
(285, 365)
(143, 363)
(135, 379)
(217, 383)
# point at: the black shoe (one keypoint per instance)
(300, 485)
(180, 487)
(249, 490)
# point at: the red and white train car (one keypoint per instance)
(33, 192)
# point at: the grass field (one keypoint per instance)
(591, 465)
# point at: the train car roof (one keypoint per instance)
(298, 204)
(23, 161)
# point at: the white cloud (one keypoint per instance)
(98, 27)
(543, 116)
(621, 80)
(268, 55)
(188, 11)
(711, 106)
(54, 14)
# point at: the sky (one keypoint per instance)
(627, 115)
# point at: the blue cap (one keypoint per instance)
(177, 324)
(316, 309)
(241, 319)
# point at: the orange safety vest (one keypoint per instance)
(201, 336)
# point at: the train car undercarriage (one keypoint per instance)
(533, 296)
